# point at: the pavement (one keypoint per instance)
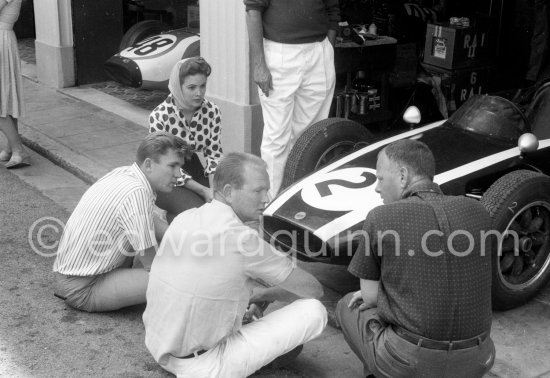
(88, 132)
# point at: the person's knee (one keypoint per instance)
(75, 295)
(314, 309)
(80, 302)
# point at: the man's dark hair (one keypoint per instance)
(158, 143)
(231, 169)
(412, 154)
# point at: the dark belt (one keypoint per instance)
(195, 354)
(436, 344)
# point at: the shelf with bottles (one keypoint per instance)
(363, 98)
(344, 107)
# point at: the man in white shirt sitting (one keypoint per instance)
(207, 271)
(113, 223)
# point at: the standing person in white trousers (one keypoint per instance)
(291, 45)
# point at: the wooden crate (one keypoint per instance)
(459, 85)
(448, 46)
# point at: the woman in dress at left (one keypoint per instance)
(11, 87)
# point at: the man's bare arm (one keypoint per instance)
(367, 297)
(262, 76)
(299, 284)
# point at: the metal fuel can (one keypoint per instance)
(364, 104)
(347, 105)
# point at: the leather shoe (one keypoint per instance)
(18, 163)
(4, 155)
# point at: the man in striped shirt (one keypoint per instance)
(112, 228)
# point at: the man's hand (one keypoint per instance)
(262, 77)
(357, 300)
(254, 312)
(331, 35)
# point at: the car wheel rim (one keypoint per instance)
(338, 150)
(524, 253)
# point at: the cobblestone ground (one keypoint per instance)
(146, 99)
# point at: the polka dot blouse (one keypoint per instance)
(202, 133)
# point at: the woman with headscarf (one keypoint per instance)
(187, 114)
(11, 87)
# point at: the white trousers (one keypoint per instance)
(257, 343)
(303, 86)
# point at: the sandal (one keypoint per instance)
(18, 163)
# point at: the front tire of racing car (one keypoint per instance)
(140, 31)
(322, 143)
(519, 206)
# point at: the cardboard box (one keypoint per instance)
(449, 46)
(459, 85)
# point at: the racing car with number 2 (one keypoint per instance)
(489, 149)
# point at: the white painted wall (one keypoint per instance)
(224, 44)
(54, 43)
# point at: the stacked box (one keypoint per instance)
(459, 85)
(450, 46)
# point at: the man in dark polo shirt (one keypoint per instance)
(424, 308)
(292, 62)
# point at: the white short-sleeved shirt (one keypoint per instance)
(201, 280)
(112, 219)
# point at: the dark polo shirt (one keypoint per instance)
(443, 297)
(296, 21)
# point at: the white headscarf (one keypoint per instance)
(174, 84)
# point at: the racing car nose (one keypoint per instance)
(125, 71)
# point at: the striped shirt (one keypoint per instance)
(113, 219)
